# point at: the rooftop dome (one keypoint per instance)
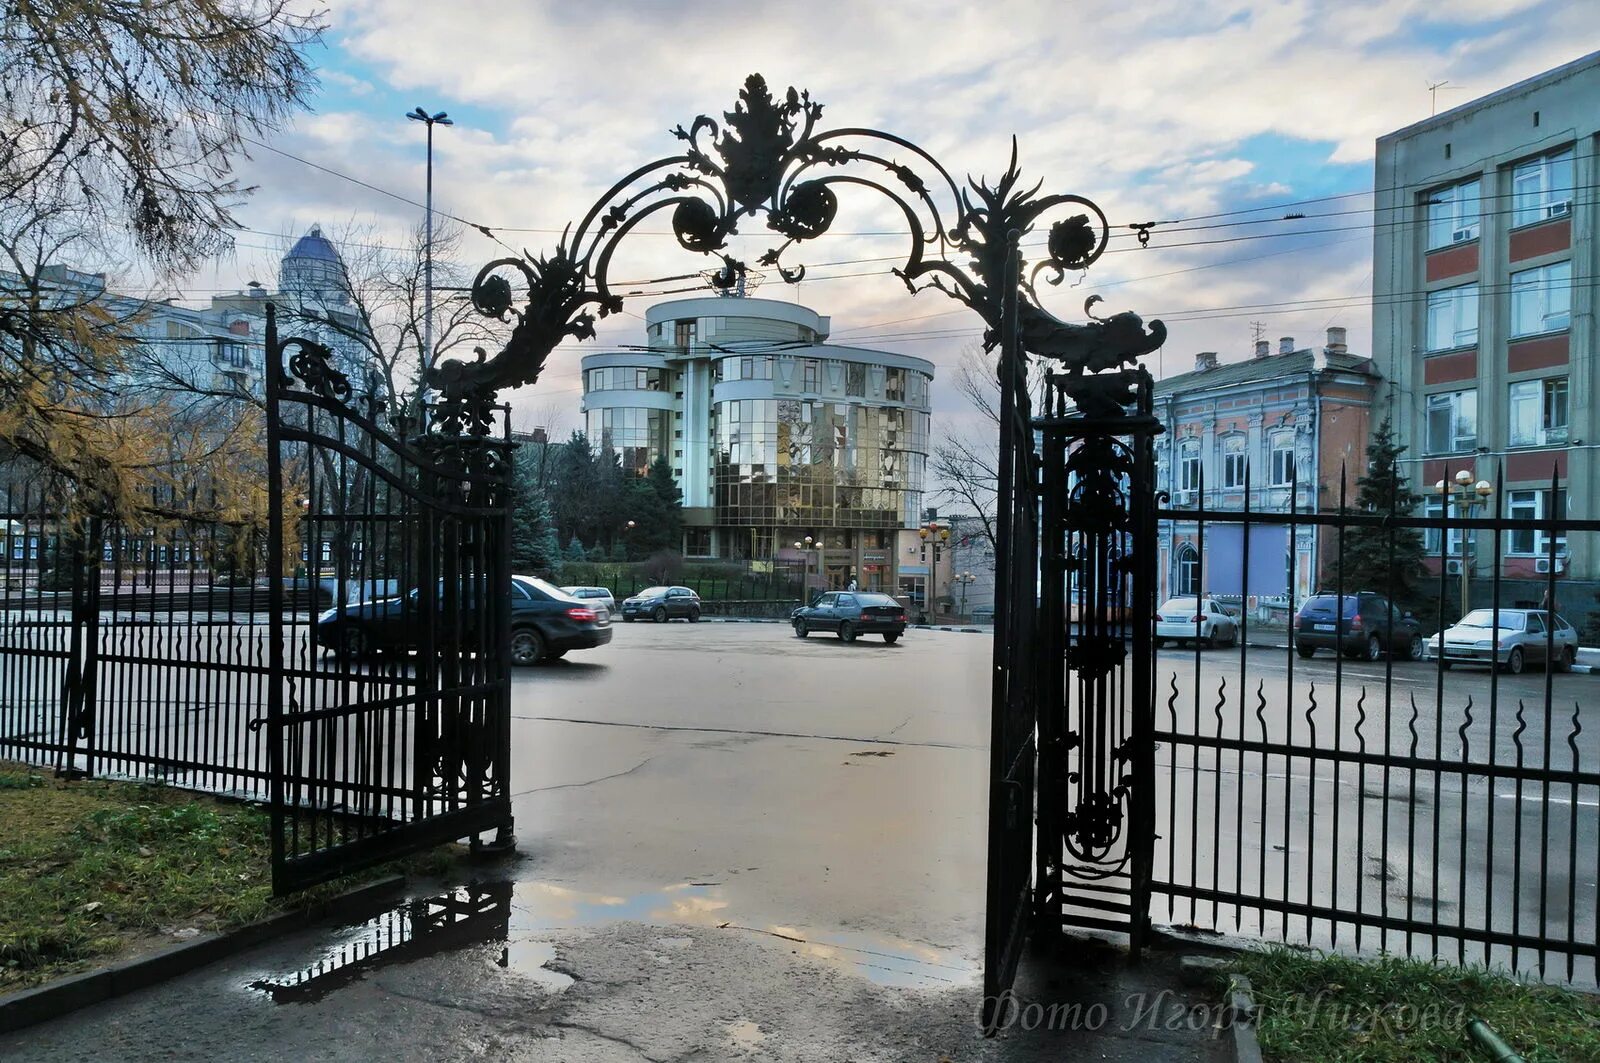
(313, 245)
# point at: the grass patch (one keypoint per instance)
(91, 869)
(1333, 1009)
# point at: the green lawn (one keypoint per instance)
(1333, 1009)
(90, 869)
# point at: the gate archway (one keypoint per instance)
(1071, 719)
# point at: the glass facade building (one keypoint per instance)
(773, 433)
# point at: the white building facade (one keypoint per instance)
(773, 433)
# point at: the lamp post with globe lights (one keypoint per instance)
(1466, 496)
(965, 579)
(807, 547)
(933, 535)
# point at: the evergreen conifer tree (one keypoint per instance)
(1385, 560)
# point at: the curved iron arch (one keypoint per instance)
(768, 158)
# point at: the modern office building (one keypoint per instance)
(1484, 299)
(773, 433)
(1277, 430)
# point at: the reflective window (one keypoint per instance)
(1541, 188)
(1453, 215)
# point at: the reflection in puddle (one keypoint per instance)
(882, 958)
(459, 919)
(511, 924)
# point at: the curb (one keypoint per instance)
(1241, 1016)
(52, 1000)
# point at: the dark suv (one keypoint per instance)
(662, 604)
(1367, 626)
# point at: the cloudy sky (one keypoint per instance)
(1162, 110)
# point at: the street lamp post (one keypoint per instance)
(1466, 496)
(806, 547)
(933, 534)
(965, 579)
(430, 120)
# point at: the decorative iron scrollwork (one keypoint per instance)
(767, 157)
(312, 365)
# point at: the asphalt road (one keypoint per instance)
(735, 842)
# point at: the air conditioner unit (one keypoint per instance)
(1452, 567)
(1558, 210)
(1542, 565)
(1462, 235)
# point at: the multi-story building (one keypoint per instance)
(1484, 298)
(1278, 429)
(773, 434)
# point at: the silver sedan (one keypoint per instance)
(1519, 638)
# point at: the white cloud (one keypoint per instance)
(1150, 109)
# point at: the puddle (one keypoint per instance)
(881, 958)
(464, 918)
(509, 923)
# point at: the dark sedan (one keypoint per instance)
(662, 604)
(852, 613)
(546, 623)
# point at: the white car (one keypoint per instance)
(1522, 637)
(598, 598)
(1203, 622)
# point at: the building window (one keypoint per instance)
(855, 380)
(1453, 215)
(1541, 299)
(685, 332)
(894, 385)
(1452, 422)
(1430, 536)
(1282, 459)
(808, 374)
(1538, 412)
(1189, 467)
(1541, 188)
(1453, 317)
(1536, 505)
(1233, 462)
(697, 542)
(1188, 571)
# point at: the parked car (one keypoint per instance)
(1201, 621)
(662, 604)
(595, 596)
(1521, 637)
(1367, 625)
(851, 613)
(546, 623)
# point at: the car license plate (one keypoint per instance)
(1324, 627)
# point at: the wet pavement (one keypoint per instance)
(733, 845)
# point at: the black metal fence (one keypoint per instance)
(131, 652)
(1326, 787)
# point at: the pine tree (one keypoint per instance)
(575, 551)
(535, 550)
(656, 508)
(1385, 560)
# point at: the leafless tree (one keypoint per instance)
(380, 312)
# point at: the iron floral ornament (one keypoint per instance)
(767, 159)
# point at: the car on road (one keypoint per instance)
(1367, 625)
(1201, 621)
(851, 613)
(595, 596)
(662, 604)
(1520, 637)
(546, 623)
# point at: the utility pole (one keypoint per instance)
(430, 120)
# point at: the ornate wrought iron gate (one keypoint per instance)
(1096, 702)
(388, 715)
(768, 157)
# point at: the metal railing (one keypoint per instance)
(1440, 807)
